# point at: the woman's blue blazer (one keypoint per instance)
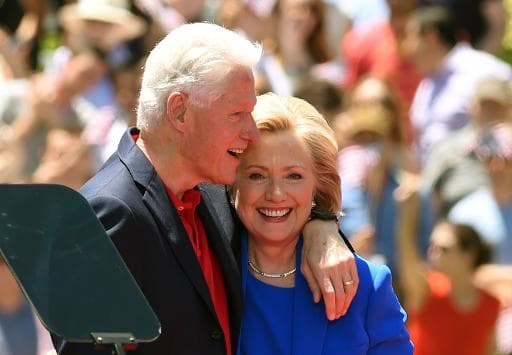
(373, 325)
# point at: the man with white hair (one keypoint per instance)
(156, 199)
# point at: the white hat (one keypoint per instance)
(116, 12)
(494, 89)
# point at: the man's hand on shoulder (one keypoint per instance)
(329, 267)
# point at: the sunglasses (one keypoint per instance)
(441, 248)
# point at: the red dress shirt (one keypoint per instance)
(212, 270)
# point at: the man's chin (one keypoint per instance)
(227, 181)
(222, 180)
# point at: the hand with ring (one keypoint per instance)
(348, 282)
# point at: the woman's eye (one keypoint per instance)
(295, 176)
(256, 176)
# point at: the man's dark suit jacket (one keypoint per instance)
(131, 202)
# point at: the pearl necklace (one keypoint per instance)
(272, 276)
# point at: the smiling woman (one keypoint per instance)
(276, 189)
(280, 177)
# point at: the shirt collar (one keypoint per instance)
(452, 61)
(189, 201)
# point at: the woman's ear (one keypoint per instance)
(176, 108)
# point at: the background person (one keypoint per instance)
(448, 66)
(31, 108)
(452, 170)
(497, 278)
(494, 201)
(21, 333)
(372, 160)
(442, 297)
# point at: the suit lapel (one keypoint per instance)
(157, 201)
(219, 243)
(219, 246)
(167, 217)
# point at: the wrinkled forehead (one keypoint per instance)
(238, 92)
(283, 144)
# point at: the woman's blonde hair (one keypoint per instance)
(274, 113)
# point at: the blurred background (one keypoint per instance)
(418, 93)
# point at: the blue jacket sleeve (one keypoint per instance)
(386, 317)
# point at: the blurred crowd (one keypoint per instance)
(418, 92)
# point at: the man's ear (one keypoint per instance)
(176, 108)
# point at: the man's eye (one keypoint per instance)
(235, 116)
(256, 176)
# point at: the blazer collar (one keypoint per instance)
(219, 244)
(219, 240)
(135, 160)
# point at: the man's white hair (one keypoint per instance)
(194, 59)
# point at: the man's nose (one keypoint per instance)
(250, 132)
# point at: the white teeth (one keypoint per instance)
(274, 213)
(236, 150)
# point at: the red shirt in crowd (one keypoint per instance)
(440, 328)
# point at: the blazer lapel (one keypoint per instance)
(220, 245)
(310, 321)
(157, 201)
(221, 248)
(167, 217)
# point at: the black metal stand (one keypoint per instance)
(115, 339)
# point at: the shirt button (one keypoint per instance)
(216, 334)
(180, 208)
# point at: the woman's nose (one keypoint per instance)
(275, 192)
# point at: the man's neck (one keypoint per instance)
(167, 163)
